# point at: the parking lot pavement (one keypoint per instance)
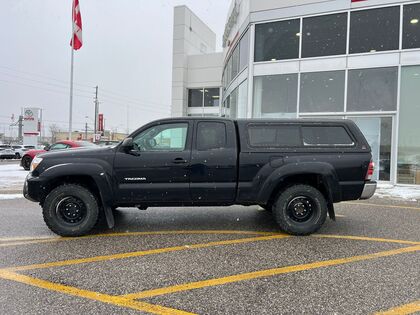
(230, 260)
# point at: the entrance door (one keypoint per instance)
(157, 170)
(378, 133)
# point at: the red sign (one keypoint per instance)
(101, 122)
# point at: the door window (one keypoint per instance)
(211, 135)
(165, 137)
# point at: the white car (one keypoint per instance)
(7, 152)
(21, 149)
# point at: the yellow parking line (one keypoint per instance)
(96, 296)
(145, 252)
(363, 238)
(403, 309)
(379, 205)
(265, 273)
(15, 241)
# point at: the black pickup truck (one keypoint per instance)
(296, 169)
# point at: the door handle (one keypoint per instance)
(179, 161)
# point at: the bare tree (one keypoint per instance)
(54, 129)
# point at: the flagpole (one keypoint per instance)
(71, 72)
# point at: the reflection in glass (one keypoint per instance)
(211, 97)
(411, 26)
(374, 30)
(378, 133)
(275, 96)
(277, 40)
(408, 171)
(322, 91)
(244, 51)
(324, 35)
(372, 89)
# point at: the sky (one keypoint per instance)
(127, 53)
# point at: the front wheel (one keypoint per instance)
(300, 210)
(70, 210)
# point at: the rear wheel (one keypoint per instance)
(26, 162)
(70, 210)
(300, 210)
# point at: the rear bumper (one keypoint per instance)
(368, 190)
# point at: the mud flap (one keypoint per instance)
(331, 212)
(109, 217)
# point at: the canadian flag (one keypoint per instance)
(76, 41)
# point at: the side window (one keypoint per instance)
(270, 136)
(326, 136)
(211, 135)
(165, 137)
(59, 146)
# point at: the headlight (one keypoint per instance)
(35, 163)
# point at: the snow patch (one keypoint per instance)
(10, 196)
(411, 193)
(12, 176)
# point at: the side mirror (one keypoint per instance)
(47, 148)
(127, 144)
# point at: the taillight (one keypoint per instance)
(370, 171)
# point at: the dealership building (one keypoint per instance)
(310, 59)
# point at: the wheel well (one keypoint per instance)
(314, 180)
(82, 180)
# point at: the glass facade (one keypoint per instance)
(361, 64)
(408, 167)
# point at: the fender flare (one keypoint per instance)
(323, 169)
(101, 178)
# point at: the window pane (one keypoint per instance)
(211, 135)
(275, 95)
(374, 30)
(378, 133)
(235, 62)
(242, 100)
(409, 127)
(372, 89)
(411, 26)
(325, 135)
(322, 91)
(195, 98)
(59, 146)
(277, 41)
(244, 51)
(211, 97)
(274, 136)
(232, 104)
(229, 71)
(166, 137)
(324, 35)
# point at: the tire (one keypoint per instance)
(17, 156)
(26, 162)
(70, 210)
(300, 210)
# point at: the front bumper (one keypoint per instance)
(368, 190)
(33, 188)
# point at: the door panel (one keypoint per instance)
(159, 169)
(213, 162)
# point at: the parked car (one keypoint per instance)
(6, 151)
(296, 169)
(60, 145)
(21, 149)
